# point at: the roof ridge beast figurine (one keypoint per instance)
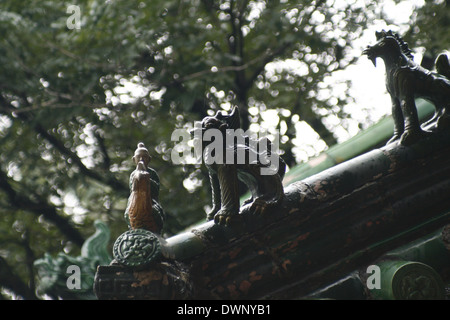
(265, 185)
(406, 81)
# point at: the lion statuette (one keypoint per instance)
(239, 156)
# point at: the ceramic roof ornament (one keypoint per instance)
(406, 81)
(243, 159)
(140, 245)
(143, 210)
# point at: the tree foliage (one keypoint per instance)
(74, 103)
(428, 30)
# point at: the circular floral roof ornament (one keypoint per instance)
(137, 248)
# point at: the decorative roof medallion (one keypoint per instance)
(137, 248)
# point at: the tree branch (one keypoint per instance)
(9, 280)
(29, 258)
(40, 207)
(101, 143)
(59, 145)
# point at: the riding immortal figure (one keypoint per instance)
(143, 209)
(406, 81)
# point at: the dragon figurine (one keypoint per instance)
(406, 81)
(52, 270)
(266, 189)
